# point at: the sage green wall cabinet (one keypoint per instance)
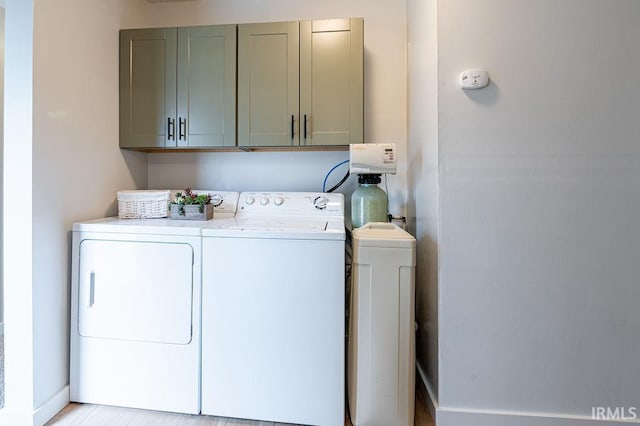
(177, 87)
(300, 83)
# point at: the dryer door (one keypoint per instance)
(132, 290)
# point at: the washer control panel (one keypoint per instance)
(281, 203)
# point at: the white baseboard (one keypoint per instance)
(15, 417)
(37, 417)
(461, 417)
(49, 409)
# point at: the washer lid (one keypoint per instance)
(276, 227)
(279, 225)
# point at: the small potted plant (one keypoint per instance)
(189, 205)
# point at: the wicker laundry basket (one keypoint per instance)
(143, 204)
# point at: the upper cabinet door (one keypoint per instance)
(268, 84)
(206, 105)
(147, 88)
(331, 81)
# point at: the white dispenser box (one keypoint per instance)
(381, 355)
(372, 158)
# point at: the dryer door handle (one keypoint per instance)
(92, 288)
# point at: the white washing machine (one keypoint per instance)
(135, 311)
(273, 310)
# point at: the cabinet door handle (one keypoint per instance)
(171, 128)
(92, 288)
(292, 128)
(182, 127)
(305, 126)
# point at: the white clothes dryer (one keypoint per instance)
(273, 310)
(135, 311)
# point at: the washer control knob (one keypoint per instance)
(278, 201)
(250, 200)
(264, 200)
(320, 202)
(216, 200)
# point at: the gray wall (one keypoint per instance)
(539, 206)
(423, 179)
